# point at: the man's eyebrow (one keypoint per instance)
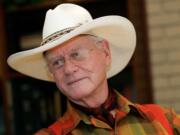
(50, 56)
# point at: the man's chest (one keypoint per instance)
(126, 126)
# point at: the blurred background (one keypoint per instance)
(152, 76)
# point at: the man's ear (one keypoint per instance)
(107, 52)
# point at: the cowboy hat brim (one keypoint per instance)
(117, 30)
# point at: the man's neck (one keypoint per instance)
(95, 99)
(104, 112)
(109, 104)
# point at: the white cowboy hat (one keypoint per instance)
(67, 21)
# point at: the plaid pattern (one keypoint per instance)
(130, 119)
(103, 111)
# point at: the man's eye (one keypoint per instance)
(75, 54)
(58, 63)
(79, 54)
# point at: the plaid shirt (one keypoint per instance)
(130, 119)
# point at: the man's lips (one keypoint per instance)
(75, 81)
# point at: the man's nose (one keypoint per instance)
(70, 67)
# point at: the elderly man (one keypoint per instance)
(80, 55)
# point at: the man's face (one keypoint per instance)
(79, 66)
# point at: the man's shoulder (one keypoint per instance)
(53, 129)
(160, 114)
(153, 109)
(62, 126)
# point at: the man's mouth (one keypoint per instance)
(75, 81)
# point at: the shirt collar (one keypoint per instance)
(124, 107)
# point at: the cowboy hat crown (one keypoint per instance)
(55, 19)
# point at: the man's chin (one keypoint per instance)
(78, 93)
(79, 96)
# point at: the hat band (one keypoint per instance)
(58, 34)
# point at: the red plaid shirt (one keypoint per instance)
(130, 119)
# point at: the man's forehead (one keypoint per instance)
(73, 42)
